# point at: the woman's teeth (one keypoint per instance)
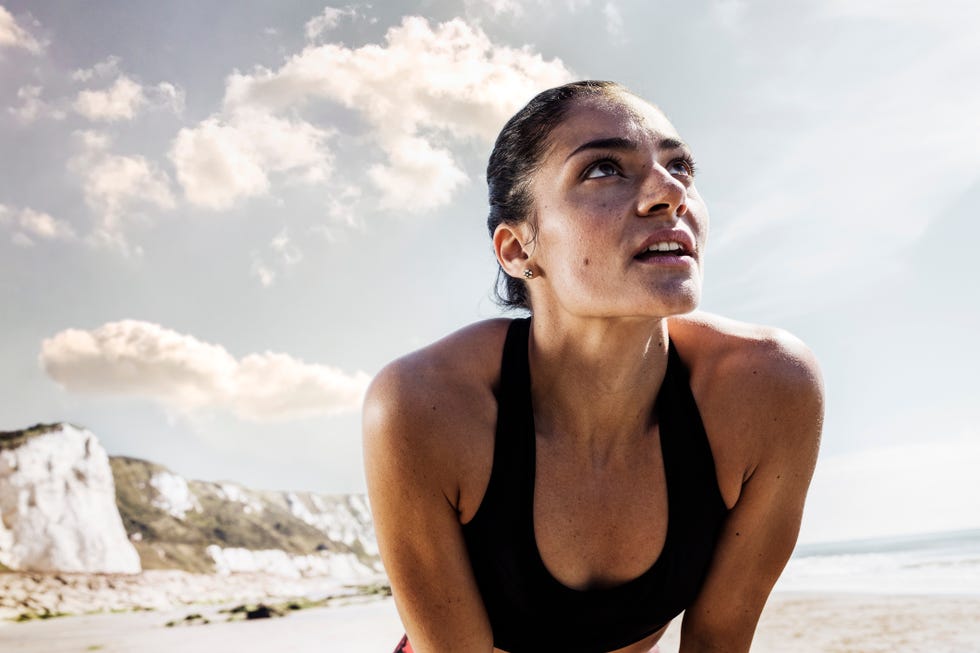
(664, 247)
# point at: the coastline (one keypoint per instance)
(793, 622)
(27, 596)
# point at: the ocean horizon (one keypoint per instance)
(946, 563)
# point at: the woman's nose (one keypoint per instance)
(661, 194)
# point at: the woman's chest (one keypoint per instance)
(599, 523)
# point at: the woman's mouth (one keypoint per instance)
(667, 249)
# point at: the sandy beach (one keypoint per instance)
(855, 623)
(791, 623)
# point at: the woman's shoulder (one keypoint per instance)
(759, 390)
(437, 405)
(464, 361)
(718, 347)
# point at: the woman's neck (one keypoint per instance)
(595, 380)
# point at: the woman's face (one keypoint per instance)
(620, 226)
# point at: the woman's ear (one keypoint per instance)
(508, 245)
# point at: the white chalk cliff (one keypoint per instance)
(58, 504)
(65, 506)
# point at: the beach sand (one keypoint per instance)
(862, 623)
(791, 623)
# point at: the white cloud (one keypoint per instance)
(167, 96)
(121, 101)
(424, 88)
(283, 246)
(116, 182)
(32, 106)
(450, 78)
(217, 164)
(124, 99)
(328, 19)
(413, 164)
(42, 225)
(278, 386)
(114, 185)
(93, 141)
(341, 205)
(262, 271)
(223, 160)
(103, 69)
(285, 255)
(13, 35)
(142, 359)
(28, 225)
(283, 145)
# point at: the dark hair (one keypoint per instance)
(515, 158)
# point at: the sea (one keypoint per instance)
(934, 563)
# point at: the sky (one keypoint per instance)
(216, 225)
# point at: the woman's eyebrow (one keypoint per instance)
(673, 144)
(620, 143)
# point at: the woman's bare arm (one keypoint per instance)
(411, 418)
(762, 397)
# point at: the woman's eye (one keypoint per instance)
(680, 167)
(602, 169)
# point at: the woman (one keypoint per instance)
(574, 481)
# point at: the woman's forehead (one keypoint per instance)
(618, 116)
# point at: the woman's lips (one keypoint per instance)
(670, 242)
(674, 257)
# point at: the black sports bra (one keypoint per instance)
(529, 610)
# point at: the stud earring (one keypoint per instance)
(528, 273)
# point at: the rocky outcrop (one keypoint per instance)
(77, 524)
(58, 504)
(223, 527)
